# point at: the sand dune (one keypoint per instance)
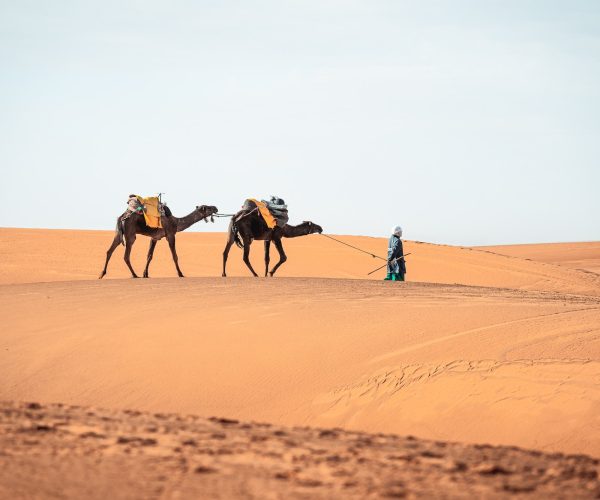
(509, 355)
(517, 368)
(584, 256)
(32, 255)
(66, 452)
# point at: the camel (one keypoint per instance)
(127, 231)
(246, 226)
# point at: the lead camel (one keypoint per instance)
(135, 224)
(246, 226)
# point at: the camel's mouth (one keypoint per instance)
(209, 211)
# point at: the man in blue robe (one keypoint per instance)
(396, 268)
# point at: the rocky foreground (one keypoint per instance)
(57, 451)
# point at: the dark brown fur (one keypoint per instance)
(127, 232)
(247, 226)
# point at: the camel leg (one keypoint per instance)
(116, 242)
(282, 256)
(129, 241)
(226, 252)
(150, 255)
(171, 240)
(267, 256)
(247, 256)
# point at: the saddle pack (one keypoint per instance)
(151, 207)
(273, 212)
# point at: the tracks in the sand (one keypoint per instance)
(463, 333)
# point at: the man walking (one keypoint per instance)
(396, 268)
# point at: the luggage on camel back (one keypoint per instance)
(150, 207)
(151, 211)
(273, 212)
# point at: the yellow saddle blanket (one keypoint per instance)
(151, 211)
(266, 214)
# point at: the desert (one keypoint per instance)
(477, 347)
(299, 250)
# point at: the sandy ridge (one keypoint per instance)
(584, 256)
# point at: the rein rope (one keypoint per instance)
(352, 246)
(241, 216)
(368, 253)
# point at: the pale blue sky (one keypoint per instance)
(467, 122)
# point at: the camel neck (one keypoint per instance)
(294, 231)
(184, 222)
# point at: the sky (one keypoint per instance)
(465, 122)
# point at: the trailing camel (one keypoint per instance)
(128, 229)
(246, 226)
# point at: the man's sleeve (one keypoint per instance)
(396, 248)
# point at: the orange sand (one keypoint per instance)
(585, 256)
(34, 255)
(512, 358)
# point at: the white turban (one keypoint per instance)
(397, 230)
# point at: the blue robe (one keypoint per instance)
(395, 250)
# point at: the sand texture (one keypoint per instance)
(477, 348)
(582, 256)
(140, 455)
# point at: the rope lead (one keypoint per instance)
(352, 246)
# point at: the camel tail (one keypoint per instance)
(236, 237)
(119, 231)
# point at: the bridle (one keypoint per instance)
(205, 218)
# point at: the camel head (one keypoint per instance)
(206, 211)
(312, 227)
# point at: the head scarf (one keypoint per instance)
(397, 230)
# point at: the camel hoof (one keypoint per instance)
(135, 276)
(223, 275)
